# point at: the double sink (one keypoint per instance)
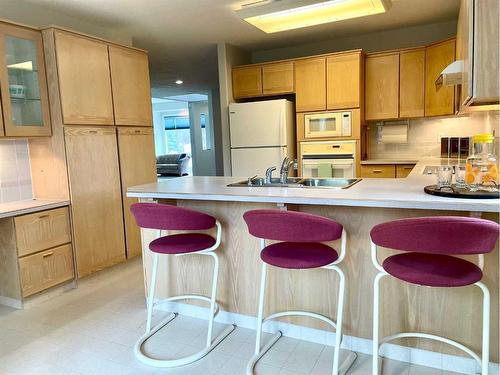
(299, 182)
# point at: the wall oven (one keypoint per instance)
(328, 159)
(328, 125)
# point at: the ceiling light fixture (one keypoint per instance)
(281, 15)
(179, 82)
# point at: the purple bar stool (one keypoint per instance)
(164, 217)
(428, 244)
(301, 247)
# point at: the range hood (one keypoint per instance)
(451, 75)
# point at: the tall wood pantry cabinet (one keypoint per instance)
(101, 108)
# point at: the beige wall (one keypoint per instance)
(424, 135)
(228, 56)
(15, 173)
(378, 41)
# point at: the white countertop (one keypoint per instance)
(388, 161)
(33, 205)
(370, 192)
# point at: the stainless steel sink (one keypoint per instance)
(299, 182)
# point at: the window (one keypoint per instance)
(177, 134)
(205, 136)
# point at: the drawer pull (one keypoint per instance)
(43, 216)
(408, 168)
(377, 171)
(47, 254)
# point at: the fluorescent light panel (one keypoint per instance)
(293, 14)
(27, 65)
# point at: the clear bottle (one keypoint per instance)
(481, 169)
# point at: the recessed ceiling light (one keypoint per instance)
(278, 16)
(179, 81)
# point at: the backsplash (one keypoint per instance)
(15, 172)
(424, 135)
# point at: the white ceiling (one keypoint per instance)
(181, 35)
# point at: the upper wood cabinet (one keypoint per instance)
(438, 101)
(477, 46)
(382, 87)
(84, 80)
(130, 86)
(247, 81)
(310, 84)
(344, 81)
(135, 171)
(277, 78)
(23, 83)
(411, 83)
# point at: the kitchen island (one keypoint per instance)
(449, 312)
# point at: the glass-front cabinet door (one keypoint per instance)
(23, 83)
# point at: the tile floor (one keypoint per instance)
(92, 329)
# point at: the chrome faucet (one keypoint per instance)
(285, 167)
(269, 174)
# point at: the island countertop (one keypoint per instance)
(369, 192)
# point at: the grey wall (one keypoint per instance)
(413, 36)
(228, 56)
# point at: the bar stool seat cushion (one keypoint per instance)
(182, 243)
(435, 270)
(298, 255)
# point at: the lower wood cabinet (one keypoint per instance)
(403, 170)
(96, 197)
(386, 170)
(46, 269)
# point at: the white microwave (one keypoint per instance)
(328, 125)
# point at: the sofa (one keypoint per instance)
(172, 164)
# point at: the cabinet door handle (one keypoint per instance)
(47, 254)
(408, 168)
(377, 171)
(43, 216)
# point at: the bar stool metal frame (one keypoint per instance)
(377, 342)
(214, 307)
(337, 368)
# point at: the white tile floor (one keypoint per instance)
(92, 329)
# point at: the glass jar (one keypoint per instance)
(481, 169)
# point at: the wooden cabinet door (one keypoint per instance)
(135, 169)
(46, 269)
(96, 204)
(277, 78)
(247, 81)
(310, 84)
(23, 83)
(84, 80)
(42, 230)
(378, 171)
(411, 83)
(440, 101)
(343, 86)
(131, 88)
(403, 170)
(382, 87)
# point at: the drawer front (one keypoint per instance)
(403, 170)
(378, 171)
(42, 230)
(46, 269)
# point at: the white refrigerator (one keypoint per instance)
(262, 134)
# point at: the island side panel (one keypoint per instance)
(455, 313)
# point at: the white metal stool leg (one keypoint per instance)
(376, 312)
(150, 331)
(485, 355)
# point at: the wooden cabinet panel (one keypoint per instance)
(403, 170)
(382, 87)
(310, 84)
(277, 78)
(247, 82)
(84, 80)
(343, 86)
(2, 131)
(46, 269)
(440, 101)
(96, 204)
(24, 95)
(411, 83)
(378, 171)
(135, 171)
(131, 88)
(42, 230)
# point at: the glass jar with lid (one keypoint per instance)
(481, 169)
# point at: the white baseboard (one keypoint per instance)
(464, 365)
(11, 302)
